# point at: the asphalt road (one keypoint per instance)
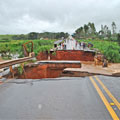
(60, 99)
(72, 44)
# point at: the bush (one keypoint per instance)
(110, 49)
(118, 39)
(15, 46)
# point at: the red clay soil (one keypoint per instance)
(47, 70)
(42, 56)
(67, 55)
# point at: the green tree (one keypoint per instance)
(92, 29)
(79, 32)
(105, 32)
(114, 28)
(33, 35)
(118, 38)
(86, 28)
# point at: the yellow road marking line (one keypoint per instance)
(106, 103)
(109, 93)
(112, 104)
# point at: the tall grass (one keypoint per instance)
(15, 46)
(110, 49)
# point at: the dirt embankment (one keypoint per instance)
(78, 55)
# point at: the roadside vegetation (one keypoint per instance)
(109, 48)
(11, 45)
(107, 40)
(11, 48)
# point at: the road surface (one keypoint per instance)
(72, 44)
(71, 98)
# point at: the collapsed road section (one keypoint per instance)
(54, 69)
(48, 69)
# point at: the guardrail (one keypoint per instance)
(9, 63)
(13, 62)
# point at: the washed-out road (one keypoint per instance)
(70, 98)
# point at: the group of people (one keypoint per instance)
(74, 45)
(84, 45)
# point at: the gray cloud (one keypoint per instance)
(23, 16)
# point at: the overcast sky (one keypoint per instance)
(24, 16)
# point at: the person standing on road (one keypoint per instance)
(84, 45)
(79, 45)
